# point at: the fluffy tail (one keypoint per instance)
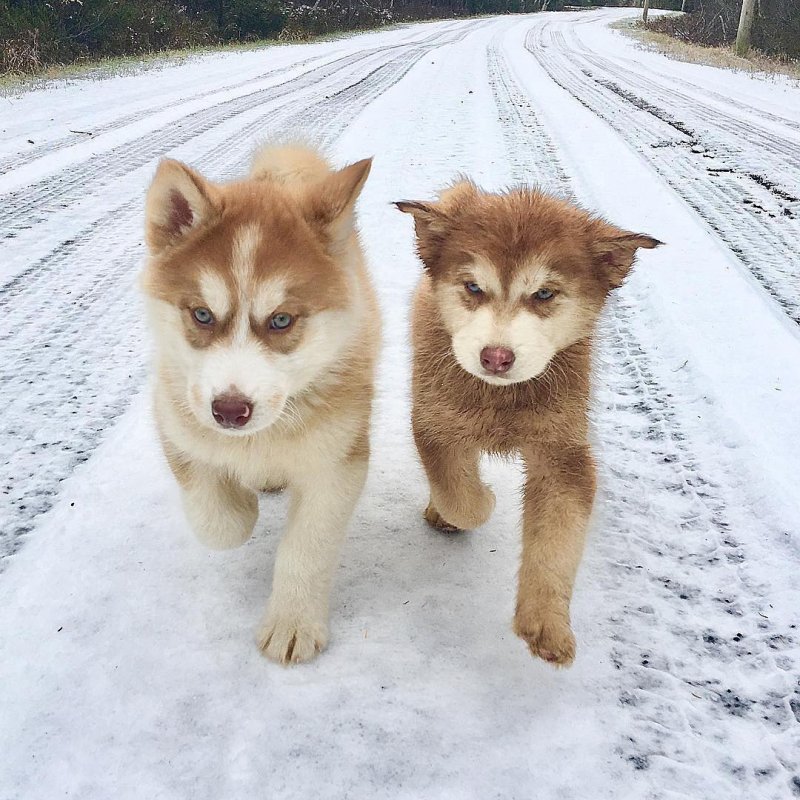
(289, 163)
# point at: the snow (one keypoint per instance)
(127, 656)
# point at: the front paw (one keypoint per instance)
(291, 638)
(548, 635)
(222, 522)
(463, 514)
(435, 520)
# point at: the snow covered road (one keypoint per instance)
(126, 650)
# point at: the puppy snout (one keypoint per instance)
(497, 360)
(232, 411)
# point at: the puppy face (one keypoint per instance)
(252, 292)
(517, 277)
(508, 331)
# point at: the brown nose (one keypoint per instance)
(232, 411)
(497, 360)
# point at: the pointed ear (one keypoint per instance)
(433, 217)
(428, 217)
(430, 226)
(415, 208)
(331, 202)
(178, 201)
(616, 251)
(434, 221)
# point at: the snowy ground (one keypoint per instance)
(127, 662)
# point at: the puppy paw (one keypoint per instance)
(291, 639)
(222, 526)
(470, 512)
(548, 636)
(435, 520)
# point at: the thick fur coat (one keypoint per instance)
(502, 327)
(266, 333)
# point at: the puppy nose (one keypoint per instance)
(497, 360)
(232, 411)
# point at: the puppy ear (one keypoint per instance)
(430, 225)
(414, 207)
(330, 203)
(434, 221)
(178, 201)
(615, 252)
(433, 217)
(428, 217)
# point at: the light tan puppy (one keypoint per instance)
(267, 331)
(502, 324)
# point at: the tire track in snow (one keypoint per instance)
(15, 161)
(38, 151)
(102, 185)
(746, 215)
(227, 158)
(702, 667)
(523, 132)
(783, 150)
(672, 80)
(81, 301)
(23, 209)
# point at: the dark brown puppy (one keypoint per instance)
(502, 325)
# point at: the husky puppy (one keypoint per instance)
(502, 324)
(266, 333)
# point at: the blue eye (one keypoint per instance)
(544, 294)
(280, 321)
(473, 287)
(203, 316)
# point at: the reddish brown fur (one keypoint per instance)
(457, 416)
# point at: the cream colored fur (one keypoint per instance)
(310, 426)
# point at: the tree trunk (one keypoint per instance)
(683, 5)
(645, 9)
(745, 26)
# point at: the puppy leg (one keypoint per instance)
(221, 512)
(559, 492)
(295, 627)
(459, 499)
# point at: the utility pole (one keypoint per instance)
(745, 26)
(645, 9)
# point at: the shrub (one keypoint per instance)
(776, 29)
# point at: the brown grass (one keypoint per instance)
(114, 66)
(723, 56)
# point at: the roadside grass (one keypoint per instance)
(724, 57)
(119, 65)
(135, 64)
